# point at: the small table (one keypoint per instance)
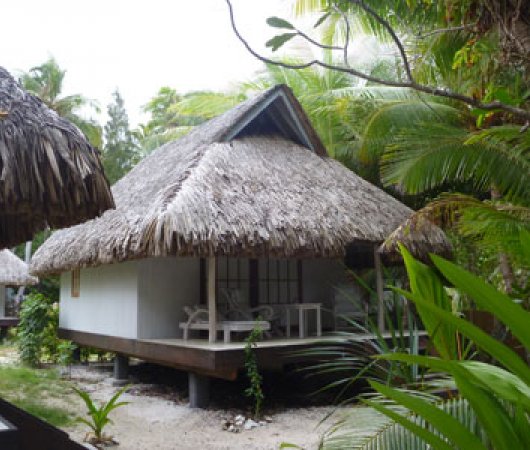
(302, 308)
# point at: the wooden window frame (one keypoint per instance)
(75, 283)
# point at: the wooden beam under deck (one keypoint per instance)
(217, 359)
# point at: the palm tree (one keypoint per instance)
(424, 146)
(46, 82)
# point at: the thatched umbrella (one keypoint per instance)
(50, 176)
(14, 271)
(420, 236)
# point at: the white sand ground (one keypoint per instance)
(154, 423)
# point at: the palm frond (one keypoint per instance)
(395, 118)
(432, 154)
(379, 432)
(205, 105)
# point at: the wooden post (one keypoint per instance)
(212, 311)
(121, 370)
(199, 390)
(380, 292)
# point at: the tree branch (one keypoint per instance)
(318, 44)
(386, 25)
(411, 83)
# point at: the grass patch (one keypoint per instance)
(38, 391)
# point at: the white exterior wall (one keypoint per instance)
(166, 285)
(107, 302)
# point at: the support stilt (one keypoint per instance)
(199, 390)
(121, 369)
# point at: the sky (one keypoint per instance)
(137, 46)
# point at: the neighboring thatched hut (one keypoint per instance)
(420, 236)
(247, 202)
(13, 272)
(49, 174)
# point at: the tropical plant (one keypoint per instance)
(99, 416)
(351, 360)
(494, 397)
(46, 82)
(423, 145)
(173, 115)
(254, 390)
(34, 318)
(36, 337)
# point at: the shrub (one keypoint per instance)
(37, 332)
(34, 317)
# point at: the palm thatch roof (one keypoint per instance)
(420, 236)
(49, 174)
(14, 271)
(255, 181)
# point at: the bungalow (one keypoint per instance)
(245, 213)
(13, 272)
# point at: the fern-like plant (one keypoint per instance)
(99, 416)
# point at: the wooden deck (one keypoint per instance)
(218, 359)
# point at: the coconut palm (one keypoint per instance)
(173, 115)
(46, 82)
(425, 146)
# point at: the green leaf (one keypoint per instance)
(488, 298)
(447, 425)
(278, 22)
(88, 401)
(426, 284)
(424, 434)
(87, 423)
(499, 351)
(277, 41)
(491, 413)
(321, 20)
(503, 383)
(521, 425)
(289, 445)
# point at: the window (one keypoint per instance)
(232, 275)
(279, 281)
(75, 283)
(257, 281)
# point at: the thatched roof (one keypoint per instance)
(49, 174)
(255, 181)
(420, 236)
(14, 271)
